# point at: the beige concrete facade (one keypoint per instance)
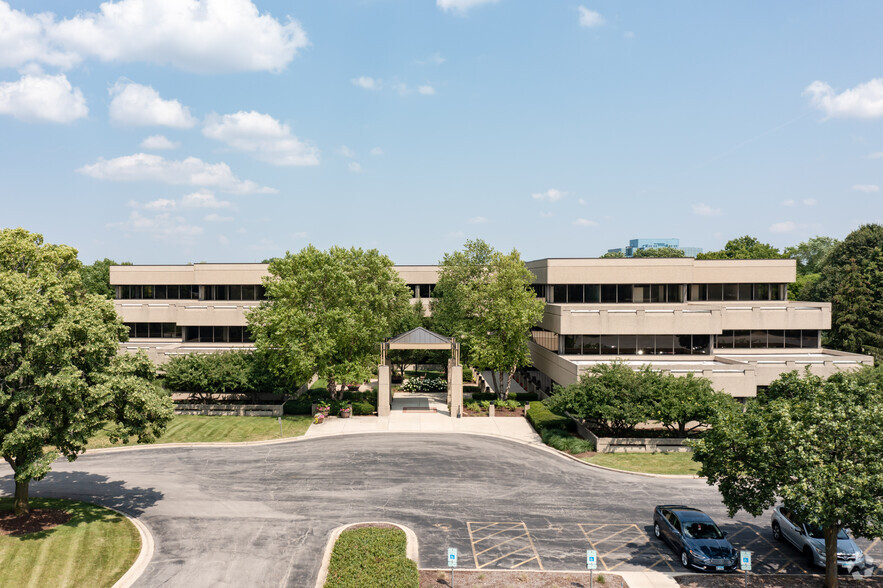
(736, 371)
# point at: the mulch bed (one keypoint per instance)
(516, 579)
(771, 581)
(40, 519)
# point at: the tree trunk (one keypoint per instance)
(332, 389)
(682, 429)
(831, 580)
(509, 375)
(22, 506)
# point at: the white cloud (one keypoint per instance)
(158, 143)
(223, 240)
(38, 97)
(789, 202)
(461, 6)
(23, 40)
(188, 172)
(581, 200)
(863, 101)
(477, 220)
(355, 167)
(877, 155)
(426, 90)
(367, 83)
(203, 200)
(703, 209)
(582, 222)
(161, 226)
(376, 151)
(299, 235)
(867, 188)
(551, 195)
(590, 18)
(203, 36)
(547, 214)
(262, 135)
(434, 59)
(783, 227)
(136, 105)
(346, 151)
(810, 201)
(217, 218)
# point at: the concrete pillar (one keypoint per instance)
(455, 390)
(384, 389)
(450, 365)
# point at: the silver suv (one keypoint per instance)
(810, 539)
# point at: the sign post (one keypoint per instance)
(745, 563)
(452, 562)
(280, 427)
(591, 565)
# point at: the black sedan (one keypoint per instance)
(695, 537)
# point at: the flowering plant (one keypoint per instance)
(319, 418)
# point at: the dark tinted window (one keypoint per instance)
(608, 293)
(624, 293)
(559, 293)
(575, 293)
(593, 293)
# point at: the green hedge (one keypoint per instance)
(542, 418)
(563, 441)
(371, 557)
(303, 403)
(363, 408)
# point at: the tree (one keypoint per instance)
(853, 269)
(613, 255)
(96, 277)
(812, 254)
(678, 401)
(485, 299)
(814, 443)
(612, 396)
(659, 252)
(60, 377)
(746, 247)
(326, 313)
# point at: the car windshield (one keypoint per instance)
(816, 532)
(706, 530)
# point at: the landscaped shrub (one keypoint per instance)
(425, 385)
(371, 557)
(468, 376)
(507, 404)
(363, 408)
(471, 389)
(472, 406)
(563, 441)
(542, 418)
(303, 403)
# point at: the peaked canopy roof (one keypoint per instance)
(420, 338)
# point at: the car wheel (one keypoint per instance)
(807, 554)
(777, 532)
(657, 531)
(685, 559)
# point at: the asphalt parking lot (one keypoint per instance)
(262, 515)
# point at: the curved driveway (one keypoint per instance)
(261, 515)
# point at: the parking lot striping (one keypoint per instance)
(762, 558)
(641, 535)
(508, 526)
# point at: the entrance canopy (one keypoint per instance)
(421, 338)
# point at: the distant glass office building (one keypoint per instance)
(636, 244)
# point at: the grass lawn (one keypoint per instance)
(371, 557)
(648, 463)
(94, 548)
(197, 429)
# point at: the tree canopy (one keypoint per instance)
(485, 299)
(61, 379)
(327, 312)
(613, 255)
(96, 277)
(813, 443)
(659, 252)
(746, 247)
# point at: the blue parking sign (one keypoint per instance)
(591, 559)
(745, 560)
(452, 557)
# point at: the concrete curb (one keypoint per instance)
(144, 557)
(412, 550)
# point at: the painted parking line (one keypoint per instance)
(624, 545)
(503, 544)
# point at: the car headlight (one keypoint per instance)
(699, 555)
(819, 550)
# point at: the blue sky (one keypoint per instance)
(171, 131)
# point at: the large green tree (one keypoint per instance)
(746, 247)
(813, 443)
(852, 280)
(61, 379)
(659, 252)
(811, 256)
(684, 403)
(327, 312)
(485, 299)
(96, 277)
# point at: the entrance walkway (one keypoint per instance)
(413, 413)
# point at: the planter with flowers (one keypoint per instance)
(346, 412)
(319, 418)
